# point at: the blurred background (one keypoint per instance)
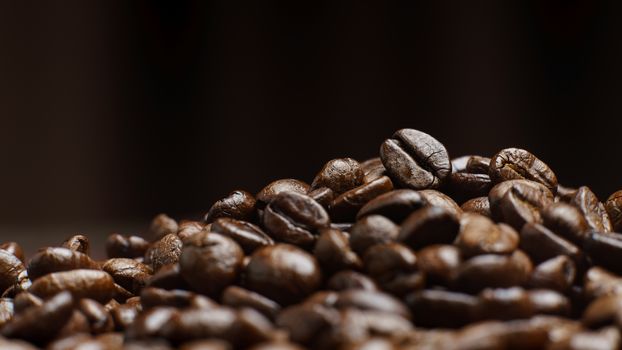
(114, 111)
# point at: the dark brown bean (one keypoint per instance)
(161, 226)
(557, 273)
(523, 203)
(605, 250)
(93, 284)
(168, 277)
(13, 248)
(494, 271)
(99, 318)
(238, 204)
(267, 194)
(429, 225)
(371, 300)
(347, 279)
(340, 175)
(438, 308)
(323, 195)
(118, 246)
(395, 205)
(78, 243)
(566, 221)
(479, 205)
(439, 199)
(332, 250)
(128, 273)
(163, 252)
(58, 259)
(439, 263)
(373, 169)
(549, 302)
(516, 163)
(600, 282)
(592, 209)
(247, 235)
(12, 271)
(394, 267)
(613, 205)
(372, 230)
(189, 228)
(24, 300)
(479, 235)
(345, 206)
(239, 298)
(541, 244)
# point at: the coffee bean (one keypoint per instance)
(541, 244)
(522, 203)
(150, 323)
(371, 300)
(439, 263)
(372, 169)
(494, 271)
(247, 235)
(163, 252)
(210, 262)
(13, 248)
(429, 225)
(605, 250)
(600, 282)
(479, 205)
(238, 204)
(323, 195)
(161, 226)
(395, 205)
(557, 273)
(128, 273)
(372, 230)
(345, 206)
(333, 251)
(603, 311)
(348, 279)
(168, 277)
(58, 259)
(154, 297)
(12, 271)
(566, 221)
(439, 199)
(549, 302)
(340, 175)
(592, 209)
(479, 235)
(24, 300)
(97, 285)
(6, 310)
(239, 298)
(613, 205)
(118, 246)
(394, 267)
(438, 308)
(505, 304)
(78, 243)
(189, 228)
(267, 194)
(295, 218)
(516, 163)
(283, 273)
(100, 320)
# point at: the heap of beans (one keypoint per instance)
(371, 255)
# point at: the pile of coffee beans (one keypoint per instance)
(411, 250)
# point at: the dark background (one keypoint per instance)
(114, 111)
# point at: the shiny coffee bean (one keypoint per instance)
(600, 282)
(323, 195)
(13, 248)
(371, 230)
(210, 262)
(505, 304)
(211, 344)
(613, 206)
(239, 205)
(371, 301)
(12, 271)
(566, 221)
(429, 225)
(295, 218)
(394, 267)
(345, 206)
(7, 310)
(605, 250)
(97, 285)
(100, 320)
(305, 322)
(415, 159)
(604, 338)
(58, 259)
(332, 250)
(124, 315)
(348, 279)
(150, 323)
(549, 302)
(395, 205)
(541, 244)
(592, 209)
(153, 297)
(189, 228)
(439, 263)
(340, 175)
(557, 273)
(163, 252)
(41, 323)
(523, 203)
(516, 164)
(283, 273)
(78, 243)
(161, 226)
(479, 235)
(479, 205)
(439, 199)
(603, 311)
(247, 235)
(267, 194)
(373, 169)
(565, 194)
(168, 277)
(118, 246)
(238, 297)
(24, 300)
(494, 271)
(446, 309)
(128, 273)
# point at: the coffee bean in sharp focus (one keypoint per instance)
(247, 235)
(267, 194)
(340, 175)
(415, 159)
(613, 205)
(521, 203)
(479, 205)
(516, 163)
(295, 218)
(238, 204)
(395, 205)
(163, 252)
(128, 273)
(592, 209)
(79, 243)
(346, 206)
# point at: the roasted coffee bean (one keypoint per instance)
(239, 298)
(295, 218)
(152, 344)
(394, 267)
(332, 250)
(566, 221)
(267, 194)
(76, 324)
(210, 262)
(438, 308)
(150, 323)
(348, 279)
(372, 301)
(323, 195)
(6, 310)
(24, 300)
(283, 273)
(541, 244)
(13, 248)
(373, 169)
(239, 205)
(79, 243)
(494, 271)
(163, 252)
(128, 273)
(439, 263)
(429, 225)
(345, 206)
(605, 250)
(340, 175)
(600, 282)
(168, 277)
(505, 304)
(516, 163)
(247, 235)
(124, 315)
(211, 344)
(439, 199)
(603, 311)
(153, 297)
(12, 272)
(58, 259)
(549, 302)
(464, 186)
(93, 284)
(479, 205)
(118, 246)
(189, 228)
(479, 235)
(161, 226)
(499, 191)
(592, 209)
(523, 203)
(99, 318)
(415, 159)
(40, 324)
(395, 205)
(304, 322)
(613, 205)
(557, 273)
(604, 338)
(372, 230)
